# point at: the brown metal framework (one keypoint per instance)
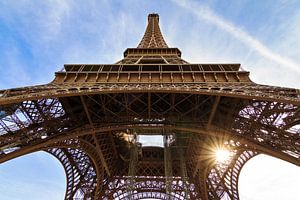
(90, 117)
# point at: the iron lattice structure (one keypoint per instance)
(90, 117)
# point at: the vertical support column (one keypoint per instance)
(168, 165)
(202, 182)
(132, 166)
(183, 169)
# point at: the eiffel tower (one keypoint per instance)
(90, 117)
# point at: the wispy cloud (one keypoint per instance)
(207, 14)
(54, 33)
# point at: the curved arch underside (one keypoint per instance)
(220, 180)
(82, 168)
(87, 133)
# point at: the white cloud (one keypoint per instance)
(208, 15)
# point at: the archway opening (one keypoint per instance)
(34, 176)
(266, 177)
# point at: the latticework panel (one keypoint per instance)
(80, 173)
(149, 187)
(82, 165)
(39, 119)
(236, 90)
(222, 179)
(153, 37)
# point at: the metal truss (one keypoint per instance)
(245, 91)
(90, 118)
(91, 128)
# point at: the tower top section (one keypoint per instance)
(153, 37)
(152, 62)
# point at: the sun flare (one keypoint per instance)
(222, 155)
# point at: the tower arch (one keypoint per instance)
(90, 116)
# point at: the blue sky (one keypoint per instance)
(38, 37)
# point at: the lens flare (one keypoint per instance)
(222, 155)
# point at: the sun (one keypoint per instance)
(222, 155)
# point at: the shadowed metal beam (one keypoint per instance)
(203, 185)
(94, 136)
(213, 111)
(149, 105)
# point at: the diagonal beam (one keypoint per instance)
(125, 106)
(94, 136)
(196, 106)
(213, 111)
(173, 104)
(104, 108)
